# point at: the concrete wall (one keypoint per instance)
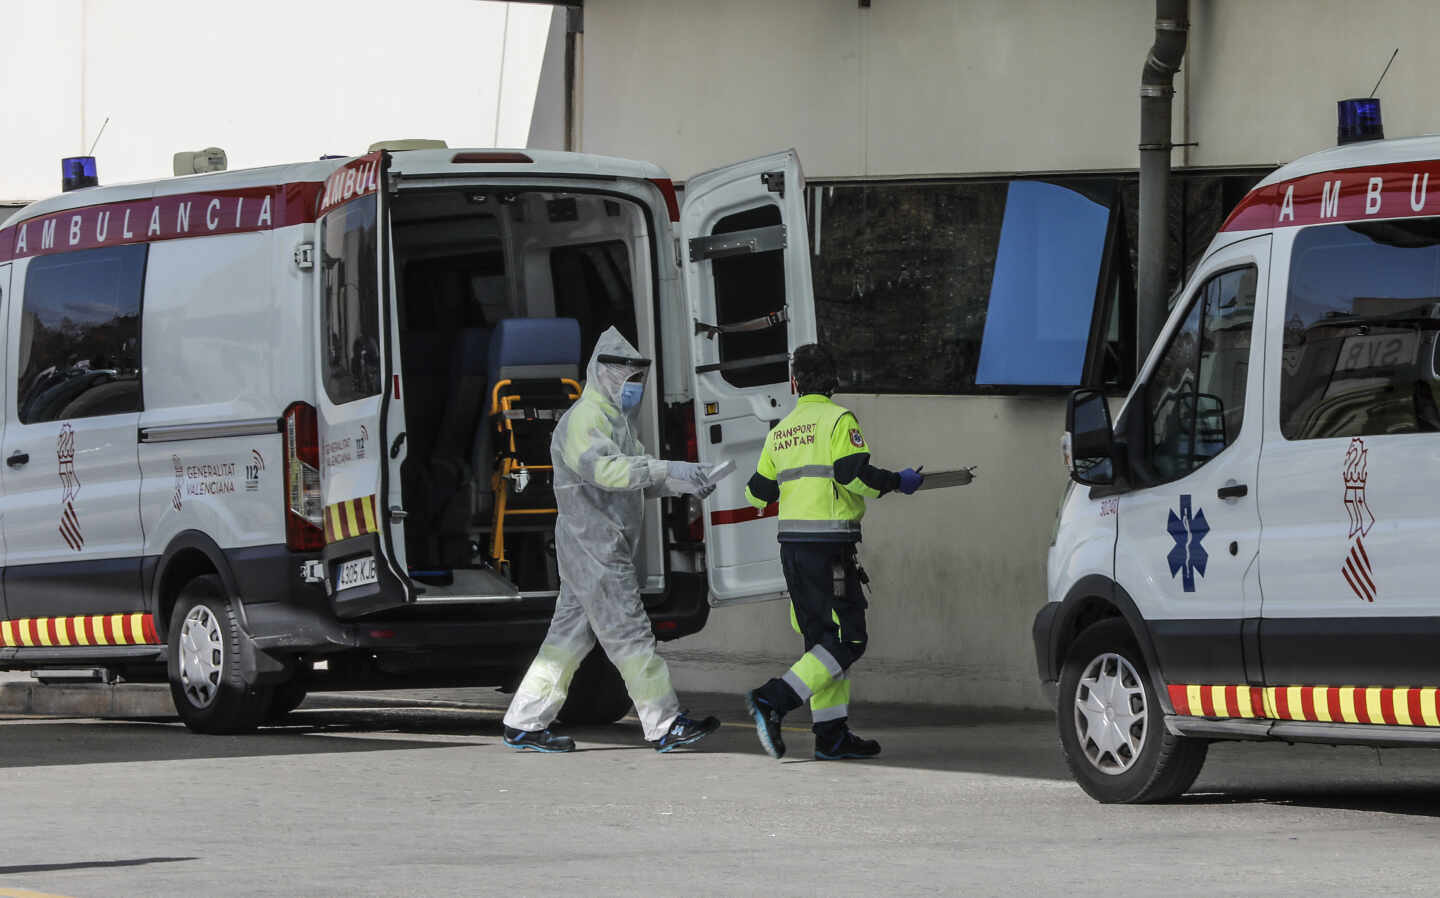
(923, 87)
(957, 574)
(547, 121)
(933, 87)
(1264, 76)
(906, 87)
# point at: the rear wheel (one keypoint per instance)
(1112, 727)
(203, 654)
(597, 693)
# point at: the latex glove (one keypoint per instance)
(910, 480)
(685, 477)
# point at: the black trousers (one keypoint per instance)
(828, 599)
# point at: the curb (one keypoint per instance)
(129, 700)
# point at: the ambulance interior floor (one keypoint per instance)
(405, 793)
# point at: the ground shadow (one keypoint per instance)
(987, 741)
(1400, 798)
(91, 865)
(67, 742)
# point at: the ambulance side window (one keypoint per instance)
(80, 335)
(1196, 393)
(350, 309)
(1362, 319)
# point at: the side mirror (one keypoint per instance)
(1091, 438)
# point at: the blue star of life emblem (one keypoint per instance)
(1188, 557)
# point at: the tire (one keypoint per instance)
(597, 693)
(285, 698)
(207, 686)
(1114, 762)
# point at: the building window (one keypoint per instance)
(80, 335)
(350, 309)
(1042, 293)
(1362, 318)
(994, 285)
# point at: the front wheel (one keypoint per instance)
(1112, 725)
(203, 655)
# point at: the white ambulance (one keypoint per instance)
(258, 420)
(1250, 552)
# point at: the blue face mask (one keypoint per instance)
(631, 394)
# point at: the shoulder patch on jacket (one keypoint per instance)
(856, 439)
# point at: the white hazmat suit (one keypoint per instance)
(602, 478)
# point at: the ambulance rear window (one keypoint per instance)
(1362, 317)
(350, 308)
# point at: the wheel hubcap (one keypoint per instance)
(1110, 714)
(202, 656)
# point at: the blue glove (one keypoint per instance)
(910, 480)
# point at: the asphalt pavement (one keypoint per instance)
(359, 795)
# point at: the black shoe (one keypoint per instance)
(845, 747)
(767, 724)
(685, 731)
(537, 740)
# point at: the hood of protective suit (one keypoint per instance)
(606, 378)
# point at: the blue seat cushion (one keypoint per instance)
(520, 343)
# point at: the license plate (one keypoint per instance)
(356, 572)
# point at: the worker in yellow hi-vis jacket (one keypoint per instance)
(816, 464)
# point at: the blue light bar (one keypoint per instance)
(77, 172)
(1359, 119)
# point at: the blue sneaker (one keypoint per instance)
(767, 724)
(685, 731)
(538, 740)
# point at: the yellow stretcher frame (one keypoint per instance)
(509, 465)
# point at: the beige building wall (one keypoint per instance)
(926, 87)
(1265, 74)
(957, 574)
(934, 87)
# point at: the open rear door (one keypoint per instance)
(361, 419)
(747, 276)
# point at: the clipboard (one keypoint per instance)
(940, 480)
(721, 471)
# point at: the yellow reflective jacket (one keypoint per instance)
(816, 464)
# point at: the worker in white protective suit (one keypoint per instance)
(603, 477)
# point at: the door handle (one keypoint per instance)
(1232, 491)
(395, 446)
(17, 459)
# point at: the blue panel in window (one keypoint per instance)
(1042, 295)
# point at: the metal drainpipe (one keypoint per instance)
(1157, 87)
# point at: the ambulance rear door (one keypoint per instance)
(747, 279)
(361, 419)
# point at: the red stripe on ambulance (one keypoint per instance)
(1398, 190)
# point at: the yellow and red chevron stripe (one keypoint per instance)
(352, 517)
(1393, 706)
(85, 630)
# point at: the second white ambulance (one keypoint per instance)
(1249, 553)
